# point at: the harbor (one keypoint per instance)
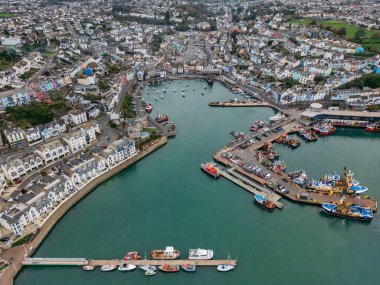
(195, 209)
(234, 103)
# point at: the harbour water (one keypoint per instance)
(165, 199)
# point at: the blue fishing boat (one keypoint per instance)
(348, 211)
(358, 189)
(333, 176)
(263, 202)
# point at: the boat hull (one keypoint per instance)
(346, 216)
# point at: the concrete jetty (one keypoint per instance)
(100, 262)
(239, 104)
(250, 186)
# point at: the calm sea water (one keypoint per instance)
(166, 200)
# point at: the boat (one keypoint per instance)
(203, 93)
(263, 202)
(148, 267)
(333, 176)
(211, 169)
(88, 268)
(299, 180)
(189, 267)
(132, 255)
(126, 267)
(205, 87)
(161, 118)
(279, 116)
(225, 267)
(149, 108)
(201, 253)
(168, 253)
(321, 185)
(109, 267)
(183, 95)
(373, 127)
(174, 90)
(162, 96)
(358, 189)
(169, 268)
(348, 211)
(155, 98)
(150, 272)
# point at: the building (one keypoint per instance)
(78, 117)
(33, 136)
(76, 140)
(53, 150)
(90, 130)
(15, 137)
(20, 166)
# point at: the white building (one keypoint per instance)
(76, 140)
(33, 136)
(78, 117)
(53, 150)
(15, 137)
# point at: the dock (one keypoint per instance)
(239, 104)
(250, 186)
(35, 261)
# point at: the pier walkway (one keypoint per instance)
(239, 104)
(250, 186)
(97, 262)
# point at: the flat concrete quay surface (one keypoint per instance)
(203, 262)
(238, 104)
(99, 262)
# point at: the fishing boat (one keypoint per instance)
(279, 116)
(225, 267)
(109, 267)
(149, 108)
(201, 253)
(189, 267)
(169, 268)
(88, 268)
(161, 118)
(263, 202)
(210, 169)
(183, 95)
(203, 93)
(373, 127)
(168, 253)
(299, 180)
(132, 255)
(333, 176)
(358, 189)
(321, 185)
(348, 211)
(126, 267)
(150, 272)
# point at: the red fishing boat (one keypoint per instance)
(149, 108)
(210, 169)
(132, 255)
(373, 128)
(169, 268)
(162, 118)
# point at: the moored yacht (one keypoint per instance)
(126, 267)
(201, 253)
(225, 267)
(109, 267)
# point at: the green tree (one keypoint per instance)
(360, 34)
(342, 31)
(167, 18)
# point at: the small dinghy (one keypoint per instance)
(107, 268)
(150, 272)
(126, 267)
(225, 267)
(148, 267)
(88, 268)
(189, 267)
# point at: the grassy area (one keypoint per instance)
(28, 74)
(6, 15)
(126, 109)
(5, 65)
(367, 80)
(92, 98)
(35, 114)
(23, 240)
(336, 25)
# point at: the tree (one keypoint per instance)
(360, 34)
(375, 35)
(6, 32)
(342, 31)
(167, 18)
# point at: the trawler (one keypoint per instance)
(201, 253)
(168, 253)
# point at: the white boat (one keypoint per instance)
(201, 253)
(279, 116)
(88, 268)
(155, 97)
(225, 267)
(150, 272)
(162, 96)
(127, 267)
(183, 95)
(148, 267)
(174, 90)
(106, 268)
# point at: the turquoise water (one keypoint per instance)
(165, 199)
